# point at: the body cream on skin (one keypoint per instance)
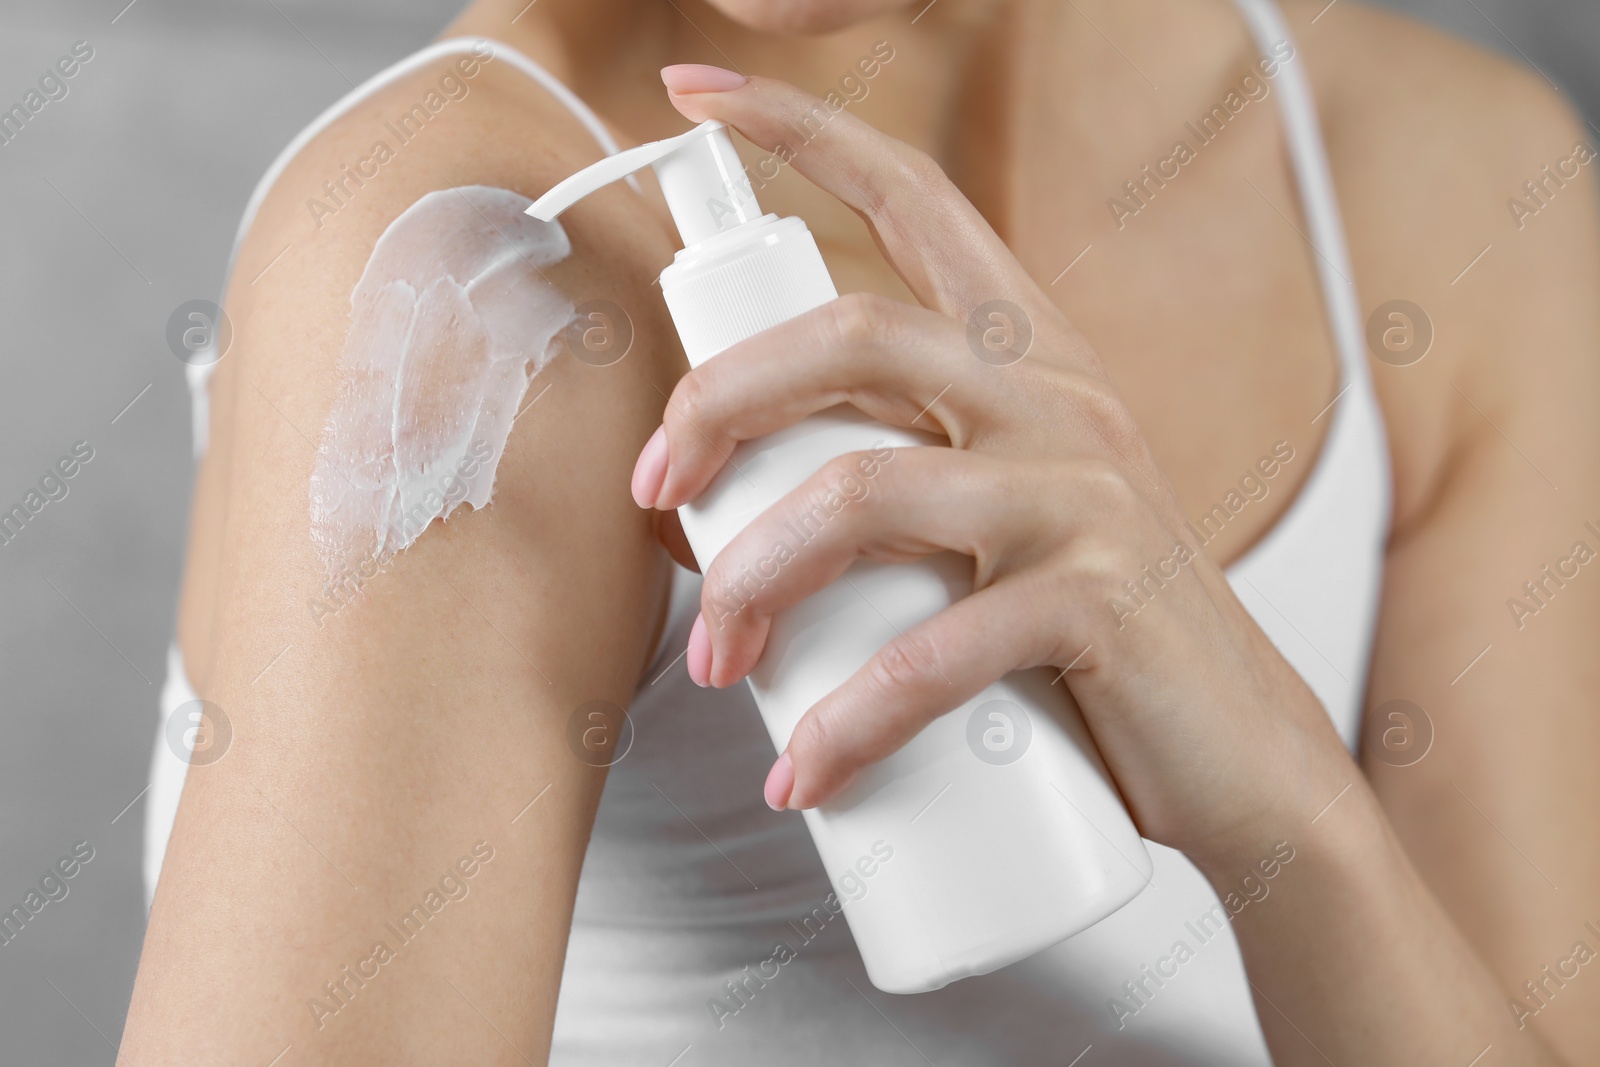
(449, 322)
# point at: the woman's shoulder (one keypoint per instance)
(466, 114)
(1467, 185)
(1398, 86)
(421, 137)
(1435, 136)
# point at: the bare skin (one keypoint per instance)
(1430, 898)
(426, 716)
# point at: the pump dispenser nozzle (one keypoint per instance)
(739, 271)
(699, 172)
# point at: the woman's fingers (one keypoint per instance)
(873, 505)
(928, 231)
(895, 505)
(901, 364)
(921, 675)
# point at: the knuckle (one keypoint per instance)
(816, 738)
(841, 472)
(836, 495)
(912, 176)
(1060, 583)
(693, 400)
(909, 474)
(919, 170)
(894, 483)
(1107, 414)
(1096, 567)
(858, 319)
(735, 589)
(902, 665)
(1105, 481)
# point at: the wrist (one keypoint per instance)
(1314, 793)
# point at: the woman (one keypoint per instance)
(1363, 532)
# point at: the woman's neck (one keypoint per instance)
(949, 55)
(962, 85)
(608, 52)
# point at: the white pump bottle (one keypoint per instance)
(996, 832)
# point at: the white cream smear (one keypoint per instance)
(448, 324)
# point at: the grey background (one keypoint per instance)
(120, 204)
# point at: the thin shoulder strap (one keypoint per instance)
(1310, 160)
(198, 374)
(407, 66)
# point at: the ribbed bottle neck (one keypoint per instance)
(743, 281)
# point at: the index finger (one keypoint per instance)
(938, 243)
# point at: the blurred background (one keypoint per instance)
(121, 201)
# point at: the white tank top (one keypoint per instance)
(701, 935)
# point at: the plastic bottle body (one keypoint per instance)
(994, 833)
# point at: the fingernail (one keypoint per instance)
(651, 469)
(780, 783)
(699, 78)
(699, 657)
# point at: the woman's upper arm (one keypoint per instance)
(1499, 813)
(385, 858)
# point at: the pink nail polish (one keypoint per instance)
(700, 78)
(699, 657)
(651, 469)
(780, 783)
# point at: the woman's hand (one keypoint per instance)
(1083, 558)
